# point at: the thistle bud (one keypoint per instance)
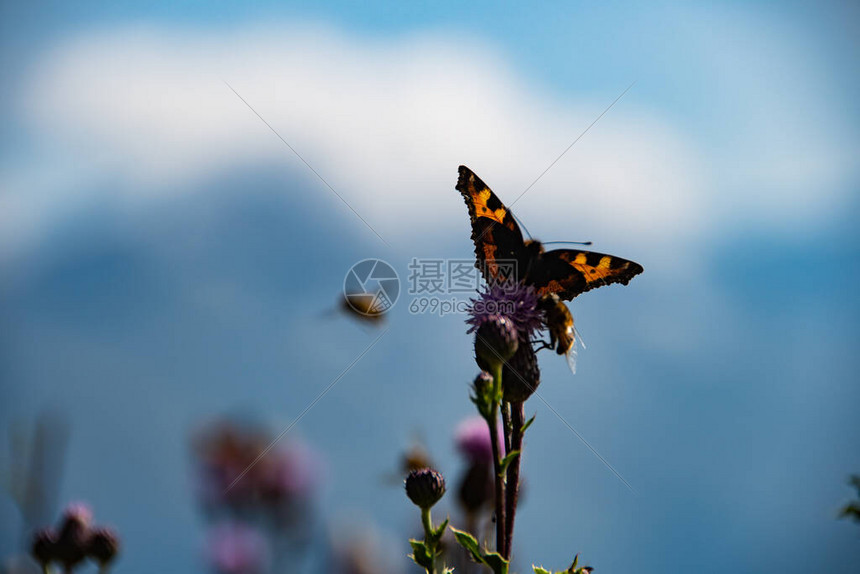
(520, 374)
(476, 487)
(425, 487)
(495, 341)
(482, 394)
(103, 546)
(71, 546)
(483, 381)
(42, 548)
(77, 515)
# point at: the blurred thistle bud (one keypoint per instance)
(237, 548)
(73, 540)
(42, 547)
(483, 382)
(496, 341)
(103, 546)
(425, 487)
(473, 440)
(289, 475)
(77, 515)
(520, 374)
(476, 486)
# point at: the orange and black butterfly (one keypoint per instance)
(558, 275)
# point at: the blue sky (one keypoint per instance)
(164, 257)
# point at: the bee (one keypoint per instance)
(559, 323)
(361, 310)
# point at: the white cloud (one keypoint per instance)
(148, 110)
(385, 123)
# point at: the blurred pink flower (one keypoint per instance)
(289, 474)
(235, 548)
(473, 440)
(230, 474)
(79, 512)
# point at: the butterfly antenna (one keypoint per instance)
(567, 242)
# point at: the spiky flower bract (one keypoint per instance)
(516, 302)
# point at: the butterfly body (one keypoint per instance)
(499, 244)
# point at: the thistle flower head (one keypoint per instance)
(290, 474)
(520, 374)
(476, 487)
(425, 487)
(103, 546)
(77, 515)
(72, 542)
(42, 547)
(474, 441)
(75, 540)
(235, 548)
(516, 302)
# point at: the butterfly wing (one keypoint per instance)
(570, 272)
(495, 233)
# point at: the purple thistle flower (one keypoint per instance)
(291, 474)
(79, 513)
(235, 548)
(73, 538)
(473, 440)
(517, 302)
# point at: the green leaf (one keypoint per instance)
(495, 561)
(421, 554)
(470, 543)
(538, 569)
(528, 424)
(436, 535)
(492, 559)
(508, 460)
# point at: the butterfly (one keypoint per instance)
(557, 275)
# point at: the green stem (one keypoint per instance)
(499, 490)
(428, 537)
